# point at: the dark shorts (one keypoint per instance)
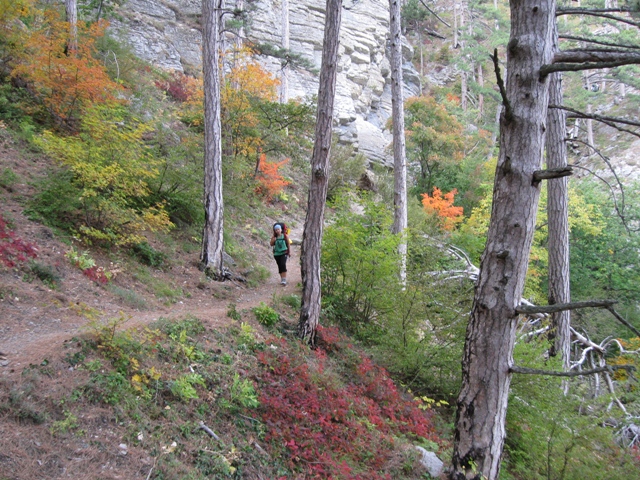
(281, 260)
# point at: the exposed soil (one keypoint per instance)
(38, 322)
(35, 320)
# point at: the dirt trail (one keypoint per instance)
(35, 321)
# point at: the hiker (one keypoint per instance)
(280, 243)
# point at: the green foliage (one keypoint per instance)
(242, 393)
(109, 165)
(293, 300)
(434, 141)
(69, 423)
(46, 274)
(232, 313)
(7, 178)
(57, 201)
(360, 264)
(416, 330)
(550, 435)
(266, 315)
(148, 255)
(345, 169)
(183, 387)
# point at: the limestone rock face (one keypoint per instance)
(167, 33)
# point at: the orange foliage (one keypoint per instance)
(65, 82)
(453, 98)
(270, 182)
(246, 83)
(442, 207)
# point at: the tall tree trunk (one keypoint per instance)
(71, 9)
(558, 218)
(480, 95)
(488, 351)
(313, 224)
(212, 240)
(399, 148)
(284, 79)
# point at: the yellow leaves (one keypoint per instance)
(426, 403)
(111, 165)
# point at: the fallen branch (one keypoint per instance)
(561, 307)
(585, 341)
(535, 371)
(210, 432)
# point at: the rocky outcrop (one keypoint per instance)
(166, 33)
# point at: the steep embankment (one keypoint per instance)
(36, 319)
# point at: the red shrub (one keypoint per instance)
(335, 428)
(13, 249)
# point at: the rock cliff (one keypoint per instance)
(167, 33)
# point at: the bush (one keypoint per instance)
(46, 274)
(266, 315)
(148, 255)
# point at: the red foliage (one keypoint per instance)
(97, 274)
(331, 428)
(179, 86)
(13, 249)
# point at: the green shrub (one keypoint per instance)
(148, 255)
(266, 315)
(46, 274)
(57, 201)
(184, 387)
(8, 178)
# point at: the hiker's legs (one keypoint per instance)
(281, 260)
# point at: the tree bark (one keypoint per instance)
(313, 224)
(399, 147)
(212, 239)
(71, 9)
(486, 377)
(558, 218)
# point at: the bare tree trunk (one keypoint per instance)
(399, 148)
(71, 9)
(482, 402)
(284, 79)
(313, 224)
(212, 240)
(480, 95)
(558, 218)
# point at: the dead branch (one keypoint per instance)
(550, 173)
(508, 112)
(433, 13)
(594, 116)
(535, 371)
(623, 321)
(583, 55)
(561, 307)
(210, 432)
(599, 12)
(585, 341)
(597, 42)
(619, 208)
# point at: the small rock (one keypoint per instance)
(431, 462)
